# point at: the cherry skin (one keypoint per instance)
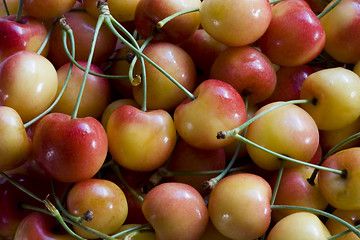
(40, 226)
(70, 150)
(129, 128)
(217, 17)
(48, 9)
(28, 84)
(168, 204)
(104, 198)
(239, 206)
(217, 107)
(248, 70)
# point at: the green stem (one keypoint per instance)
(241, 138)
(117, 171)
(131, 235)
(311, 180)
(28, 124)
(6, 8)
(326, 10)
(19, 11)
(278, 180)
(43, 45)
(275, 1)
(19, 186)
(161, 23)
(113, 29)
(235, 131)
(88, 65)
(339, 235)
(320, 212)
(131, 230)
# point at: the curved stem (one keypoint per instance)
(326, 10)
(131, 235)
(339, 235)
(241, 138)
(43, 45)
(88, 65)
(28, 124)
(19, 11)
(235, 131)
(147, 225)
(319, 212)
(19, 186)
(161, 23)
(6, 8)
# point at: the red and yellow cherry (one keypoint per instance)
(40, 226)
(28, 84)
(48, 9)
(288, 130)
(83, 28)
(248, 70)
(70, 150)
(295, 35)
(106, 201)
(190, 159)
(341, 190)
(27, 34)
(110, 108)
(239, 206)
(168, 204)
(96, 95)
(122, 11)
(149, 12)
(298, 226)
(217, 17)
(14, 143)
(336, 96)
(340, 23)
(161, 92)
(295, 190)
(349, 216)
(129, 127)
(217, 107)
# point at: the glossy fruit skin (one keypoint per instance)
(70, 150)
(149, 12)
(28, 34)
(217, 107)
(161, 92)
(28, 84)
(96, 95)
(341, 26)
(14, 143)
(248, 70)
(289, 131)
(349, 216)
(83, 27)
(342, 192)
(297, 226)
(129, 127)
(47, 9)
(168, 204)
(39, 226)
(217, 17)
(107, 201)
(336, 92)
(295, 35)
(239, 206)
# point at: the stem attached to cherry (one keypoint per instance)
(19, 11)
(6, 8)
(161, 23)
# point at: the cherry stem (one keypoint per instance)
(275, 1)
(43, 45)
(339, 235)
(88, 65)
(111, 20)
(6, 8)
(19, 11)
(131, 235)
(161, 23)
(117, 171)
(323, 13)
(311, 180)
(241, 138)
(147, 225)
(20, 187)
(28, 124)
(235, 131)
(278, 180)
(319, 212)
